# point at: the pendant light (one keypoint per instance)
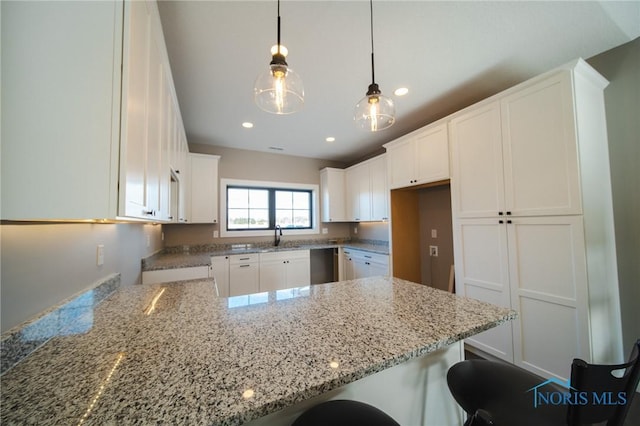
(279, 89)
(374, 112)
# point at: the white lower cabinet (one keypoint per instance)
(244, 274)
(536, 266)
(280, 270)
(346, 265)
(220, 272)
(363, 264)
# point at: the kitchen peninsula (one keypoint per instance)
(176, 353)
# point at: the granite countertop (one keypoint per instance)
(175, 353)
(177, 257)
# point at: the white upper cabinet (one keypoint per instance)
(477, 184)
(204, 188)
(84, 117)
(540, 149)
(149, 118)
(367, 191)
(133, 150)
(358, 193)
(61, 75)
(518, 155)
(419, 157)
(379, 188)
(333, 197)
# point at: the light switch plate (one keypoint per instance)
(100, 255)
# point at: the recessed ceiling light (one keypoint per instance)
(330, 139)
(247, 125)
(276, 148)
(401, 91)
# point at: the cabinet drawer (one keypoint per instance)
(284, 255)
(237, 259)
(369, 256)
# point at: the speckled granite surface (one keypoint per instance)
(174, 353)
(189, 256)
(69, 317)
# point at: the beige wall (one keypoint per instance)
(254, 165)
(435, 213)
(262, 166)
(621, 66)
(370, 231)
(44, 264)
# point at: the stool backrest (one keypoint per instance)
(605, 390)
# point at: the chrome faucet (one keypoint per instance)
(278, 235)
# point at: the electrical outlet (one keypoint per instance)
(325, 230)
(434, 233)
(433, 251)
(148, 240)
(100, 255)
(215, 234)
(355, 230)
(162, 235)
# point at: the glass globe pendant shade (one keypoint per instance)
(375, 111)
(279, 89)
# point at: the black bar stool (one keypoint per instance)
(497, 393)
(342, 412)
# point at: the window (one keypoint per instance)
(256, 208)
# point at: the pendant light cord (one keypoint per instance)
(373, 73)
(278, 26)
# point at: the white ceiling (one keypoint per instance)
(449, 54)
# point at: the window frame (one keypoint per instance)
(276, 186)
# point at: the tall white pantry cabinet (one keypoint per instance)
(533, 220)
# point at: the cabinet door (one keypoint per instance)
(298, 272)
(431, 155)
(547, 271)
(482, 272)
(401, 161)
(61, 74)
(133, 167)
(379, 188)
(540, 149)
(352, 194)
(155, 101)
(378, 269)
(363, 192)
(273, 275)
(360, 267)
(332, 188)
(184, 210)
(243, 279)
(220, 267)
(477, 182)
(204, 188)
(166, 141)
(348, 266)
